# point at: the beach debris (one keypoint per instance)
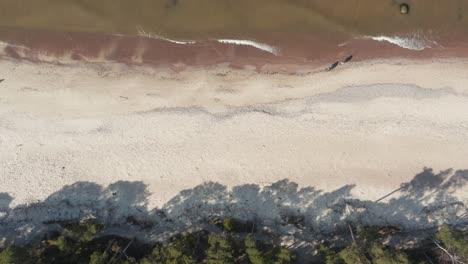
(333, 66)
(404, 8)
(350, 57)
(1, 80)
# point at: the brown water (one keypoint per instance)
(228, 18)
(304, 31)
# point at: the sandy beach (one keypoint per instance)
(233, 131)
(374, 124)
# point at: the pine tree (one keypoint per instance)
(14, 255)
(384, 255)
(353, 254)
(220, 250)
(177, 252)
(284, 256)
(255, 255)
(98, 258)
(455, 240)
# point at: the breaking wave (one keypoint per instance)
(143, 33)
(406, 43)
(261, 46)
(413, 42)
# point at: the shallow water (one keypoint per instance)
(240, 32)
(228, 18)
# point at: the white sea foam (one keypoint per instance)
(412, 43)
(6, 44)
(143, 33)
(261, 46)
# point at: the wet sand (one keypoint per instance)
(296, 53)
(305, 33)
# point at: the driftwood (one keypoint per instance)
(350, 57)
(333, 66)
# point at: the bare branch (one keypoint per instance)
(351, 231)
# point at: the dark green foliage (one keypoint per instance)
(384, 255)
(146, 261)
(64, 244)
(354, 254)
(455, 240)
(229, 224)
(181, 250)
(220, 250)
(98, 258)
(15, 255)
(284, 256)
(235, 225)
(368, 249)
(130, 260)
(330, 256)
(369, 238)
(72, 243)
(368, 234)
(81, 243)
(255, 255)
(84, 231)
(75, 232)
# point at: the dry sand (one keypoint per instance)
(374, 124)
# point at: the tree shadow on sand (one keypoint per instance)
(281, 209)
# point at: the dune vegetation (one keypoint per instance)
(234, 242)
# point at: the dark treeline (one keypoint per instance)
(233, 242)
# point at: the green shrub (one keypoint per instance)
(178, 251)
(84, 231)
(220, 250)
(383, 255)
(454, 240)
(353, 254)
(146, 261)
(64, 244)
(368, 234)
(229, 224)
(284, 256)
(130, 260)
(14, 255)
(329, 255)
(98, 258)
(235, 225)
(255, 255)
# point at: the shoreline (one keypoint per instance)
(269, 52)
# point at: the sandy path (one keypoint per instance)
(375, 124)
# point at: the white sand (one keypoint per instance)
(373, 124)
